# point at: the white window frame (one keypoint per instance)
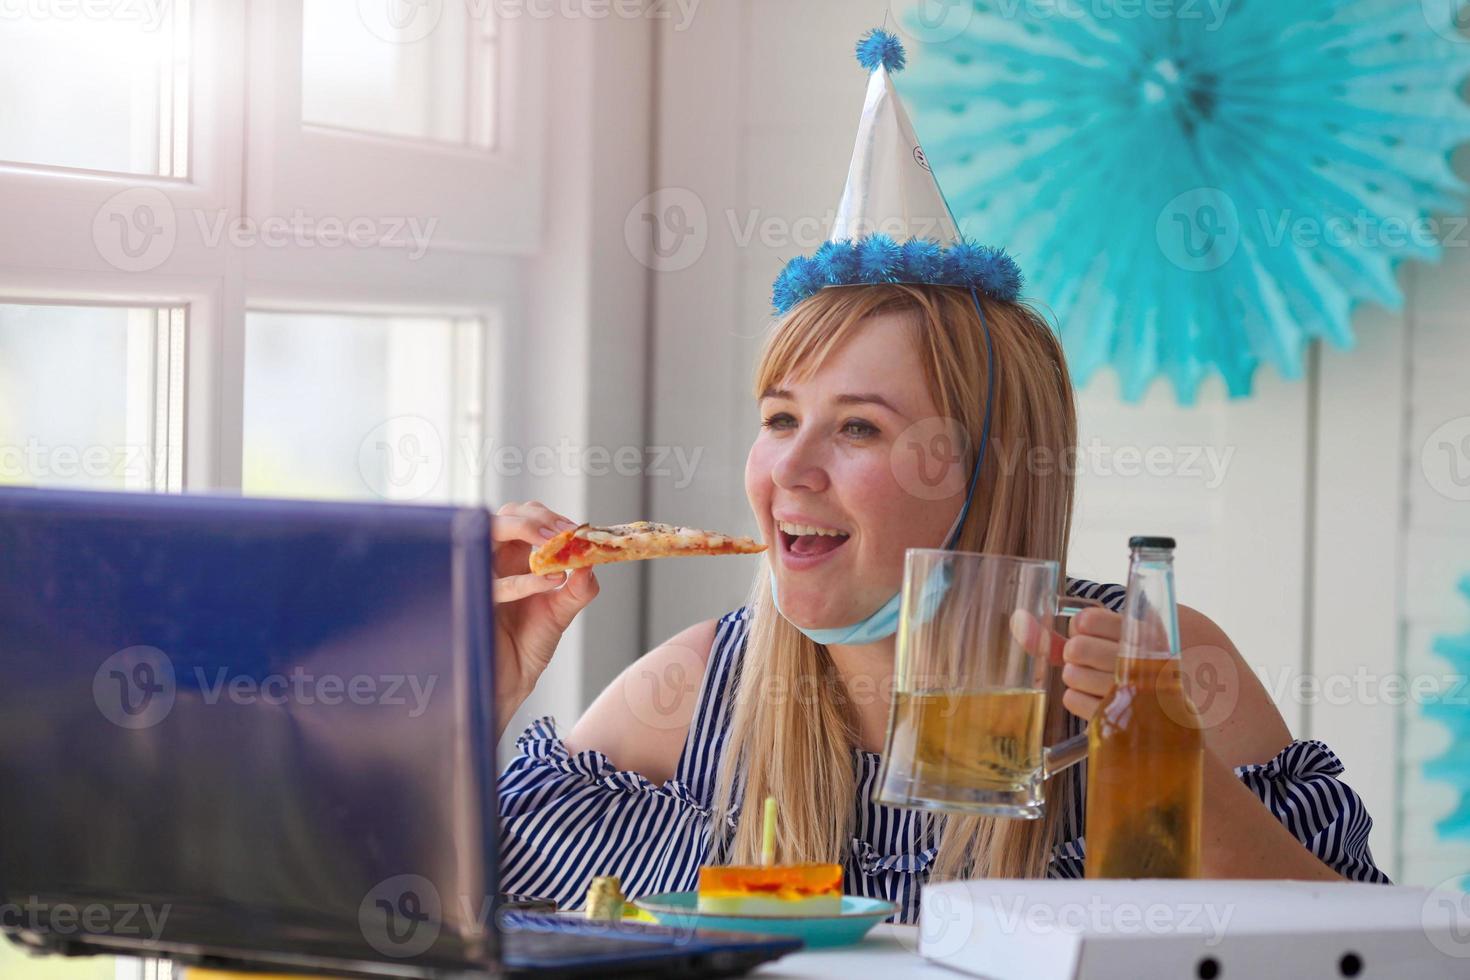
(51, 254)
(292, 164)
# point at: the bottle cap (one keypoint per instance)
(1150, 541)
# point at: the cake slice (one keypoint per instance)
(786, 890)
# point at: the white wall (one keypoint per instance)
(1323, 551)
(1434, 541)
(586, 331)
(752, 132)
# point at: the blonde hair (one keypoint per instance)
(799, 749)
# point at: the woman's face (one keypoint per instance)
(857, 453)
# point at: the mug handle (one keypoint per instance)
(1069, 751)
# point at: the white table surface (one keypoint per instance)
(888, 952)
(885, 952)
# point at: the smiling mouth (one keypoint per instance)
(810, 542)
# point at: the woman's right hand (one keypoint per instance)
(531, 611)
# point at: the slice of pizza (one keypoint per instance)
(588, 545)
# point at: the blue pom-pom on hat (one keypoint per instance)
(998, 274)
(799, 280)
(879, 259)
(880, 47)
(837, 262)
(923, 259)
(988, 269)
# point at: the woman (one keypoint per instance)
(845, 374)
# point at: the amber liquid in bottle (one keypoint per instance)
(1145, 764)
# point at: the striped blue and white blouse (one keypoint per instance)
(567, 818)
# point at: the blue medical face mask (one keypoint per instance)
(882, 622)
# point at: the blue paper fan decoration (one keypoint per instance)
(1454, 766)
(1201, 191)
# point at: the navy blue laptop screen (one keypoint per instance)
(253, 723)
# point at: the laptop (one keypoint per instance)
(259, 734)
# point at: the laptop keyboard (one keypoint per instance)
(564, 946)
(540, 946)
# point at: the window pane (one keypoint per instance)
(17, 964)
(97, 86)
(79, 395)
(413, 70)
(361, 407)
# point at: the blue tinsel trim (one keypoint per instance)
(879, 259)
(880, 47)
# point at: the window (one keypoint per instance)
(409, 93)
(91, 396)
(17, 964)
(322, 298)
(100, 87)
(422, 72)
(363, 407)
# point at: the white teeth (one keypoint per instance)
(802, 529)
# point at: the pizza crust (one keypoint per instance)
(587, 545)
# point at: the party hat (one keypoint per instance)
(893, 224)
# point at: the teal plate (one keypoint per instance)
(680, 910)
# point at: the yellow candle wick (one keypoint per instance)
(768, 833)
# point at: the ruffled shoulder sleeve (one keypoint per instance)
(1300, 787)
(566, 818)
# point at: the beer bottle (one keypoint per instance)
(1145, 763)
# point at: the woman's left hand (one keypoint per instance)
(1241, 723)
(1087, 657)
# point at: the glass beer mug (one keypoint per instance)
(969, 701)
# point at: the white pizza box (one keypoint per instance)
(1124, 930)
